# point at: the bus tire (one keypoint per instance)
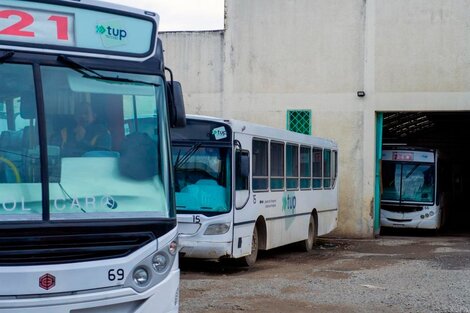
(250, 260)
(308, 244)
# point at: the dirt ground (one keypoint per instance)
(419, 273)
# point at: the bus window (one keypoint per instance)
(260, 165)
(334, 167)
(277, 166)
(317, 168)
(242, 170)
(19, 153)
(86, 131)
(327, 168)
(305, 169)
(292, 166)
(140, 115)
(202, 178)
(411, 182)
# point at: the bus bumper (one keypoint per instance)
(389, 219)
(163, 297)
(192, 248)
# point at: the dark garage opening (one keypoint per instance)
(449, 132)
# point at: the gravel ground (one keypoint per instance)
(390, 274)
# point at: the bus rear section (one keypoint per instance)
(87, 216)
(410, 195)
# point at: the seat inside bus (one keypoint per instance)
(17, 146)
(205, 194)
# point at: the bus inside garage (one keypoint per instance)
(448, 133)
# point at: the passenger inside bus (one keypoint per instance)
(85, 133)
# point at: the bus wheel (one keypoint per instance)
(250, 260)
(307, 244)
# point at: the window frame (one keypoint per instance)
(292, 178)
(334, 167)
(327, 167)
(283, 162)
(318, 178)
(309, 173)
(253, 165)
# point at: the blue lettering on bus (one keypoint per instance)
(111, 32)
(289, 202)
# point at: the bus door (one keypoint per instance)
(244, 217)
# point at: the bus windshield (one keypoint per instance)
(408, 182)
(98, 166)
(202, 178)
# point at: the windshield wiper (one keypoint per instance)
(85, 71)
(412, 171)
(185, 158)
(6, 56)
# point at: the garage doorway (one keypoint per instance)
(446, 132)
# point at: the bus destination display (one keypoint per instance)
(36, 26)
(39, 25)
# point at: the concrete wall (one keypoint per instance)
(196, 59)
(276, 55)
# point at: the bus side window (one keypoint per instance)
(277, 166)
(260, 165)
(334, 167)
(317, 168)
(305, 170)
(292, 166)
(327, 168)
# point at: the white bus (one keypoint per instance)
(87, 212)
(241, 187)
(411, 194)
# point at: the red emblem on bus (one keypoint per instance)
(47, 281)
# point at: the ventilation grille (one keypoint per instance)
(55, 249)
(402, 209)
(299, 121)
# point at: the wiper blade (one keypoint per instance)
(6, 56)
(185, 158)
(82, 69)
(412, 171)
(119, 80)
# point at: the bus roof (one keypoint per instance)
(262, 131)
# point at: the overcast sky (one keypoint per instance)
(183, 14)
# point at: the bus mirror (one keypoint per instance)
(244, 165)
(177, 112)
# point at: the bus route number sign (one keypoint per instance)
(37, 27)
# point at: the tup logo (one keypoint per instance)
(289, 202)
(112, 33)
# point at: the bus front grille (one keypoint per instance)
(402, 208)
(399, 221)
(67, 248)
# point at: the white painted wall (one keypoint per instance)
(196, 59)
(276, 55)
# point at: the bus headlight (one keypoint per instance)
(431, 213)
(160, 262)
(217, 229)
(141, 276)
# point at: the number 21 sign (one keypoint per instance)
(36, 27)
